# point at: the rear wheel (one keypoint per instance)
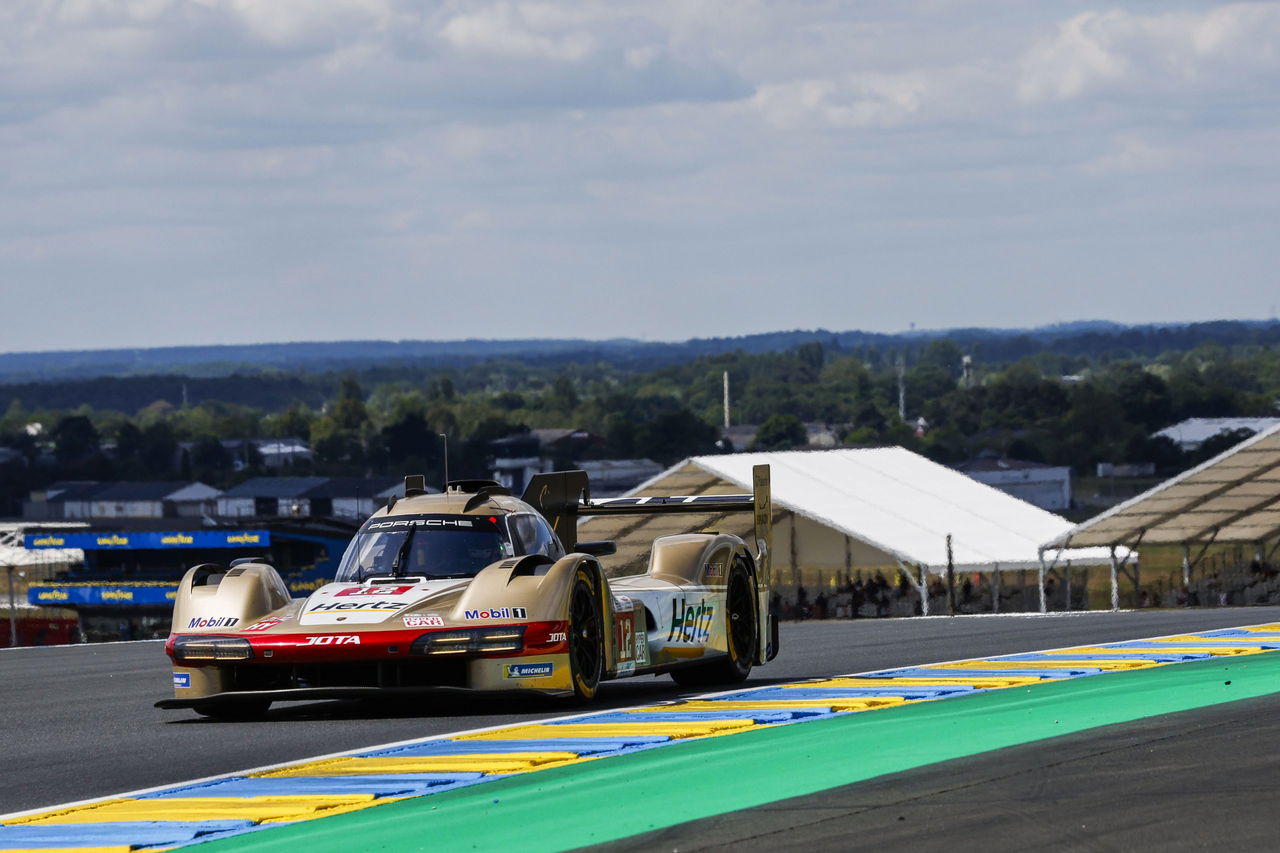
(741, 638)
(586, 637)
(239, 709)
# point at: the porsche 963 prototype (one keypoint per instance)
(473, 588)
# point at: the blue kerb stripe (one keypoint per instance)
(150, 833)
(1238, 632)
(782, 715)
(772, 694)
(401, 785)
(978, 672)
(1226, 644)
(1155, 657)
(581, 746)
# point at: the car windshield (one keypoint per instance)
(433, 546)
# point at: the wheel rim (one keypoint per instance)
(584, 641)
(742, 633)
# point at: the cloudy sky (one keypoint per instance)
(206, 171)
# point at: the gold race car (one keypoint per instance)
(473, 588)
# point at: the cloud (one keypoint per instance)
(1179, 52)
(174, 155)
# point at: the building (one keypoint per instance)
(305, 497)
(517, 457)
(1046, 486)
(89, 500)
(153, 500)
(1193, 432)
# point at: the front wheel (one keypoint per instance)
(586, 637)
(741, 638)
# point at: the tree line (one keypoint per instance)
(1053, 406)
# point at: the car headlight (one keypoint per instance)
(191, 649)
(470, 641)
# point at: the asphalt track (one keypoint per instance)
(1195, 780)
(78, 721)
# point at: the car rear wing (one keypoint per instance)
(564, 496)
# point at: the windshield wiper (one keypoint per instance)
(403, 552)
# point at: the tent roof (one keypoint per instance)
(905, 505)
(1234, 497)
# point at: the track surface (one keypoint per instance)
(78, 721)
(1196, 780)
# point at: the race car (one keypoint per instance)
(475, 589)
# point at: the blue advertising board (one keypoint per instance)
(151, 540)
(74, 594)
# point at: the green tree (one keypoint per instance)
(780, 432)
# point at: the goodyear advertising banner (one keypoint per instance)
(152, 540)
(73, 595)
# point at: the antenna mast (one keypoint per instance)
(726, 401)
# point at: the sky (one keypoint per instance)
(235, 171)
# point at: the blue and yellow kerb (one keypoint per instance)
(241, 803)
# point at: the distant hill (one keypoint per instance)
(989, 345)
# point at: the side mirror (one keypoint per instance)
(601, 548)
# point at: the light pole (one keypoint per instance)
(445, 436)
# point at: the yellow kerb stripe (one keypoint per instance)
(480, 762)
(257, 809)
(693, 728)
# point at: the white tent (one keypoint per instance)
(1233, 497)
(898, 507)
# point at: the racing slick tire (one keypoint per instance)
(741, 637)
(243, 709)
(586, 636)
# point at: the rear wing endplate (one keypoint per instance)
(563, 496)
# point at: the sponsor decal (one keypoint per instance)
(558, 637)
(497, 613)
(418, 522)
(527, 670)
(333, 640)
(624, 633)
(53, 595)
(182, 679)
(157, 539)
(423, 622)
(117, 595)
(356, 605)
(213, 622)
(266, 623)
(714, 569)
(690, 623)
(372, 590)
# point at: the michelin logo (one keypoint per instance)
(528, 670)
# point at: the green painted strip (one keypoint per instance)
(614, 798)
